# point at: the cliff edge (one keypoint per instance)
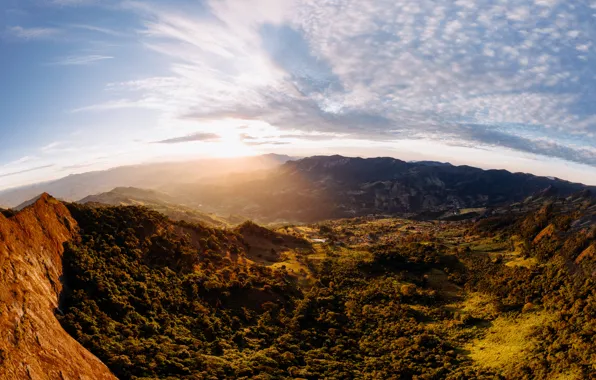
(33, 344)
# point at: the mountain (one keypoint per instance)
(150, 176)
(28, 202)
(33, 344)
(37, 278)
(158, 201)
(511, 295)
(326, 187)
(508, 296)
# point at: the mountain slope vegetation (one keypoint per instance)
(157, 201)
(379, 298)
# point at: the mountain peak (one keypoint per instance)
(35, 346)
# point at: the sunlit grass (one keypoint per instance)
(506, 340)
(521, 262)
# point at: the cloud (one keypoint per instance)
(25, 171)
(78, 166)
(266, 142)
(250, 140)
(205, 137)
(539, 146)
(144, 103)
(80, 60)
(521, 72)
(33, 33)
(97, 29)
(73, 2)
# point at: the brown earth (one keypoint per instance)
(33, 344)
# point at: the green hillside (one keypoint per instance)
(160, 202)
(380, 298)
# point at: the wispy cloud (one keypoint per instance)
(97, 29)
(78, 60)
(205, 137)
(3, 175)
(73, 2)
(33, 33)
(145, 103)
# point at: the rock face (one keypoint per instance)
(33, 344)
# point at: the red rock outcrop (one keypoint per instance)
(33, 344)
(588, 253)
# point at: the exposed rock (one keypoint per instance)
(545, 233)
(588, 253)
(33, 344)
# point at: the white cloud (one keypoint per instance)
(33, 33)
(79, 60)
(382, 68)
(97, 29)
(73, 2)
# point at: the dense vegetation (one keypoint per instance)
(157, 299)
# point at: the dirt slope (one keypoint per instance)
(33, 345)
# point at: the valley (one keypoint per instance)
(493, 282)
(506, 296)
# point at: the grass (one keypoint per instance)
(506, 340)
(291, 263)
(479, 305)
(521, 262)
(490, 245)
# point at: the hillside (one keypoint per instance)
(33, 344)
(511, 295)
(321, 187)
(157, 201)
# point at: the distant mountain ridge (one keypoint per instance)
(326, 187)
(150, 176)
(157, 201)
(321, 187)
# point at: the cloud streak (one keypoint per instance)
(25, 171)
(81, 60)
(33, 33)
(204, 137)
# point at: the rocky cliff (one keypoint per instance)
(33, 345)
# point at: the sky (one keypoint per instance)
(92, 84)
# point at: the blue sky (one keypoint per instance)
(91, 84)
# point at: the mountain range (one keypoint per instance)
(327, 187)
(149, 176)
(137, 283)
(278, 189)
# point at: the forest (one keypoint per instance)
(508, 297)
